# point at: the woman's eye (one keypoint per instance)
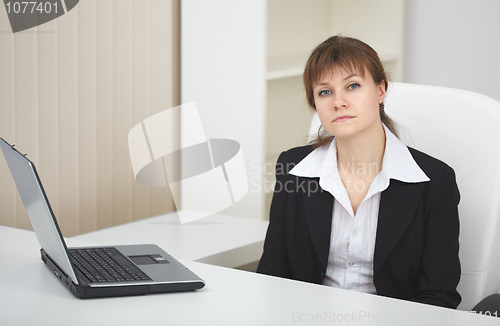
(353, 86)
(324, 92)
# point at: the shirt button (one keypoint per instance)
(354, 233)
(350, 263)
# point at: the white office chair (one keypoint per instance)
(462, 129)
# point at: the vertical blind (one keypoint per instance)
(70, 91)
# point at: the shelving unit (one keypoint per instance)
(242, 62)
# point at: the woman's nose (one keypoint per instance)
(339, 102)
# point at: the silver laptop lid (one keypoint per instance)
(37, 205)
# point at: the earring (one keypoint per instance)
(382, 108)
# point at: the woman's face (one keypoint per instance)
(348, 103)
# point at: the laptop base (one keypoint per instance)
(85, 291)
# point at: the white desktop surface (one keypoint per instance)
(31, 295)
(220, 239)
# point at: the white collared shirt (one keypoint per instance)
(352, 242)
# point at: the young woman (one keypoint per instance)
(358, 209)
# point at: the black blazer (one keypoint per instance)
(416, 246)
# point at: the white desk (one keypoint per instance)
(222, 240)
(30, 295)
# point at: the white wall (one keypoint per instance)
(453, 43)
(223, 71)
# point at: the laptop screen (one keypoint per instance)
(37, 206)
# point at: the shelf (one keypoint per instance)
(292, 65)
(284, 66)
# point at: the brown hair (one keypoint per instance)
(352, 55)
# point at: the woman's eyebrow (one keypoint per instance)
(323, 83)
(352, 74)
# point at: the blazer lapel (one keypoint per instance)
(318, 207)
(398, 204)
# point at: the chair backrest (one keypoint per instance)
(461, 128)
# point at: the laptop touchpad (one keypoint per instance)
(148, 259)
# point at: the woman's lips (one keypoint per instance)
(343, 118)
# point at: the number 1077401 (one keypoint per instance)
(30, 7)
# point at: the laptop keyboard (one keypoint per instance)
(105, 265)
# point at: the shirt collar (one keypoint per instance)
(397, 164)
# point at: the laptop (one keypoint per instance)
(90, 272)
